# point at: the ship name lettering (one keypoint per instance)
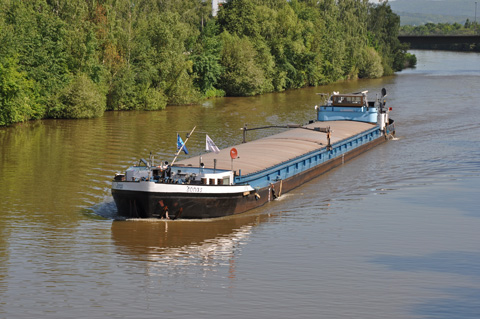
(191, 189)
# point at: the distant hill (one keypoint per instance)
(417, 12)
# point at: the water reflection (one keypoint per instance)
(205, 243)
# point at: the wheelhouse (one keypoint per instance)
(355, 100)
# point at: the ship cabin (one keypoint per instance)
(348, 107)
(355, 100)
(178, 174)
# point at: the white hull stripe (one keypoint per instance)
(152, 187)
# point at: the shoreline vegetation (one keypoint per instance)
(80, 58)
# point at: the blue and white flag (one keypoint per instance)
(210, 146)
(180, 144)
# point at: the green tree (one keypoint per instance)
(41, 44)
(16, 103)
(239, 16)
(80, 99)
(242, 75)
(383, 28)
(167, 36)
(206, 60)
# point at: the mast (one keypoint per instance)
(181, 148)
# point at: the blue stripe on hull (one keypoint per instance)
(307, 161)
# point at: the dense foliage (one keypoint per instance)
(78, 58)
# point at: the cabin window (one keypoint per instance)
(348, 100)
(226, 181)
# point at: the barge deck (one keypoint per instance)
(235, 180)
(270, 151)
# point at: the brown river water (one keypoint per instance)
(393, 233)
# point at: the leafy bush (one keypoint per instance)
(371, 65)
(410, 60)
(214, 93)
(154, 100)
(80, 99)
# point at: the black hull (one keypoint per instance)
(134, 204)
(156, 205)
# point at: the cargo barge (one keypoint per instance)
(249, 175)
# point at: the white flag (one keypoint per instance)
(210, 146)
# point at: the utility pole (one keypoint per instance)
(475, 23)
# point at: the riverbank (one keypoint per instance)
(80, 60)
